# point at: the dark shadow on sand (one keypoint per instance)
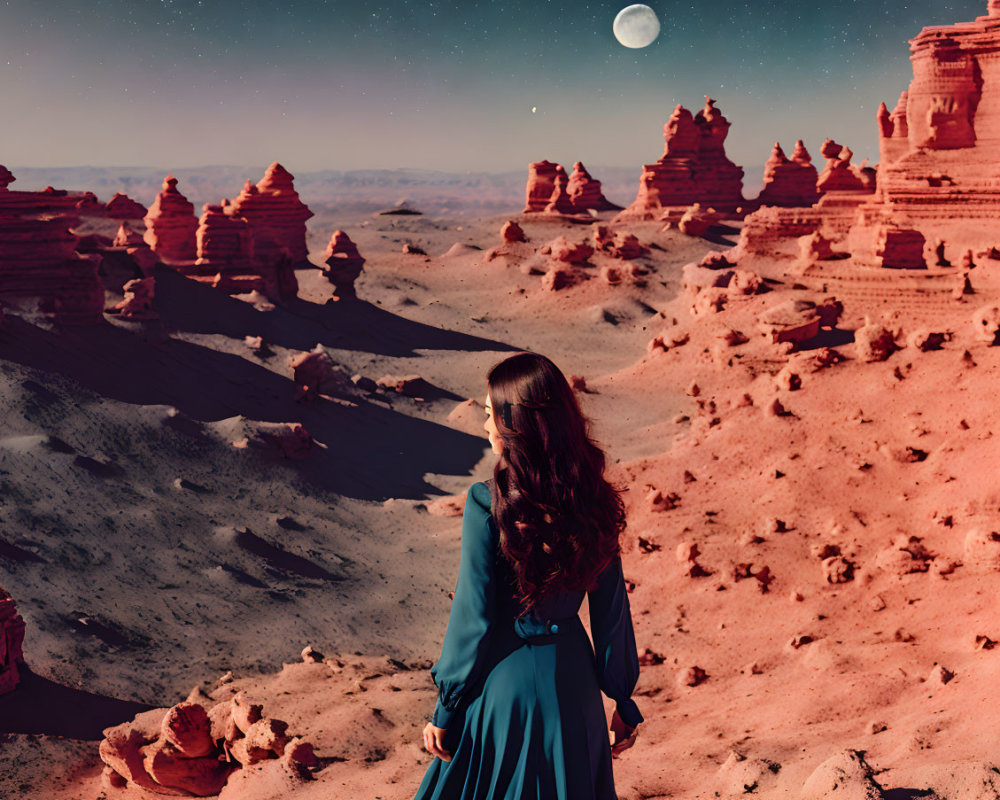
(39, 706)
(829, 337)
(716, 234)
(186, 305)
(372, 451)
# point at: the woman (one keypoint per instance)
(519, 713)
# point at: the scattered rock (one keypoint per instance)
(692, 676)
(409, 385)
(288, 439)
(926, 340)
(940, 675)
(837, 569)
(873, 343)
(559, 278)
(846, 776)
(658, 501)
(986, 324)
(982, 550)
(904, 556)
(311, 655)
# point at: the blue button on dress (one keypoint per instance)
(520, 696)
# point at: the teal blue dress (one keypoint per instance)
(520, 696)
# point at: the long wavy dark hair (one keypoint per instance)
(559, 519)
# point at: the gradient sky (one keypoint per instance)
(332, 84)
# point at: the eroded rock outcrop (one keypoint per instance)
(123, 207)
(226, 257)
(171, 225)
(343, 264)
(693, 168)
(277, 215)
(40, 272)
(585, 192)
(11, 642)
(789, 181)
(839, 175)
(193, 749)
(939, 148)
(541, 184)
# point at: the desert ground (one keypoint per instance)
(812, 537)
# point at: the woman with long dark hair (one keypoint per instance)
(519, 714)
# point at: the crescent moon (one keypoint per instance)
(636, 26)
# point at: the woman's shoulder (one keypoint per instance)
(479, 493)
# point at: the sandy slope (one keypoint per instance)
(172, 592)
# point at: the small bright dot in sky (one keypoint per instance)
(534, 109)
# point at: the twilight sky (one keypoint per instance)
(342, 84)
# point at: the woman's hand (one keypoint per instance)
(434, 742)
(624, 736)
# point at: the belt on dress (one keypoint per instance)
(538, 632)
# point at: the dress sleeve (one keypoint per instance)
(614, 641)
(466, 640)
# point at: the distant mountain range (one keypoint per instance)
(469, 194)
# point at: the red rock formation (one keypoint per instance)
(560, 202)
(693, 168)
(789, 182)
(618, 245)
(126, 237)
(39, 270)
(511, 232)
(937, 170)
(171, 225)
(901, 249)
(190, 750)
(11, 638)
(585, 192)
(561, 249)
(124, 207)
(343, 264)
(138, 300)
(274, 205)
(541, 182)
(840, 175)
(313, 373)
(223, 239)
(226, 248)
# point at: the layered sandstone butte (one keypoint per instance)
(40, 272)
(541, 184)
(936, 182)
(227, 257)
(940, 147)
(789, 181)
(693, 168)
(171, 225)
(11, 641)
(277, 215)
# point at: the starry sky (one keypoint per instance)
(342, 84)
